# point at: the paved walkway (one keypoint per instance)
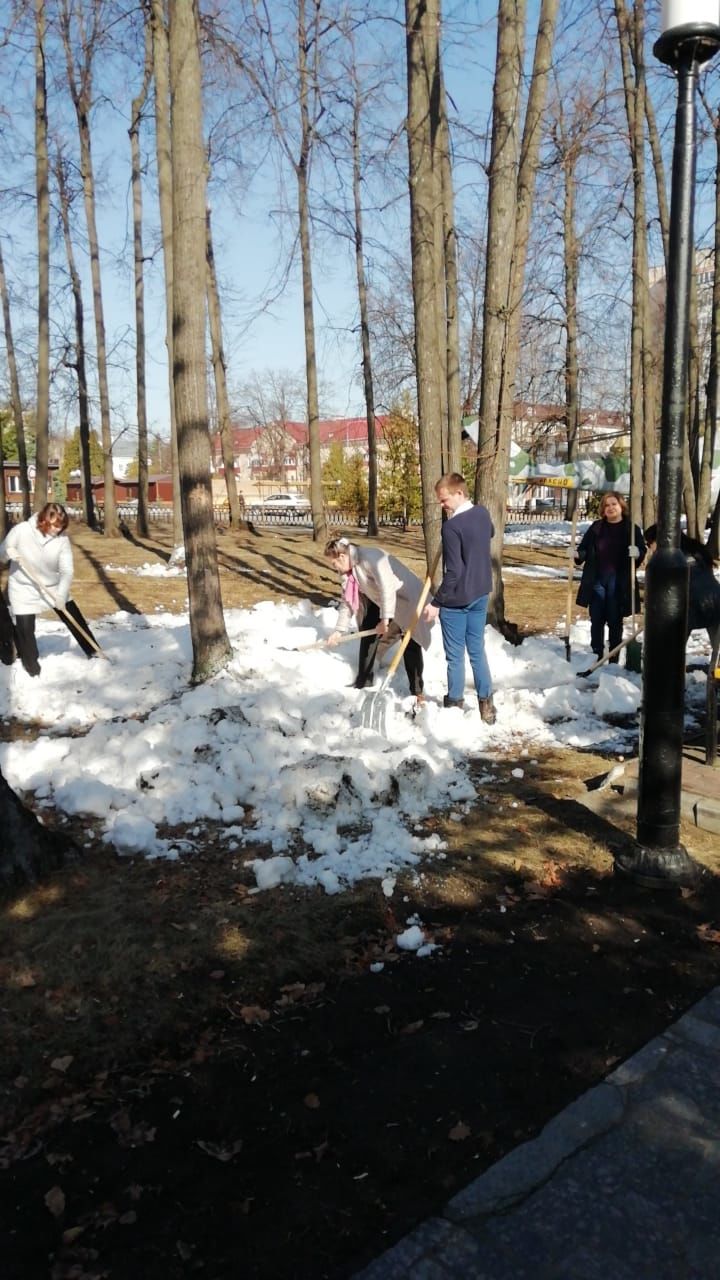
(624, 1184)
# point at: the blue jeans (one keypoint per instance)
(605, 610)
(464, 629)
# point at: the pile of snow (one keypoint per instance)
(273, 752)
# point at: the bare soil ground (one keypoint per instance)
(201, 1081)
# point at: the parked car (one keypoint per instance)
(282, 502)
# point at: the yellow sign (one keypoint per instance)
(555, 482)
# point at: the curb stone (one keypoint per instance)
(508, 1222)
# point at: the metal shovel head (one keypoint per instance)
(375, 708)
(633, 656)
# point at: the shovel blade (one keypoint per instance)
(375, 711)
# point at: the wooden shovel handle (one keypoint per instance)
(323, 644)
(47, 593)
(415, 618)
(571, 572)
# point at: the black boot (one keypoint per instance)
(453, 702)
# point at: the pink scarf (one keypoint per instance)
(351, 592)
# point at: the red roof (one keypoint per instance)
(343, 430)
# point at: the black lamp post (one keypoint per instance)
(691, 35)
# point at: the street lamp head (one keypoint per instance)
(688, 27)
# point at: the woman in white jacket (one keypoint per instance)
(41, 573)
(378, 591)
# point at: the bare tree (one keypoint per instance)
(631, 32)
(220, 372)
(15, 398)
(42, 191)
(29, 850)
(512, 180)
(164, 169)
(136, 110)
(82, 33)
(422, 36)
(712, 399)
(493, 439)
(285, 73)
(79, 363)
(211, 647)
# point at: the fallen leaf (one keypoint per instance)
(706, 933)
(412, 1027)
(220, 1153)
(441, 1013)
(71, 1234)
(381, 1008)
(127, 1219)
(55, 1201)
(312, 1101)
(217, 974)
(459, 1132)
(253, 1014)
(61, 1064)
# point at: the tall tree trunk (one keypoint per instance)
(211, 647)
(711, 392)
(14, 395)
(136, 111)
(29, 850)
(526, 183)
(659, 172)
(422, 22)
(494, 441)
(450, 308)
(631, 30)
(219, 370)
(653, 361)
(301, 173)
(571, 270)
(80, 84)
(372, 524)
(42, 190)
(163, 147)
(79, 364)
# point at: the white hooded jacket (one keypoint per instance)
(48, 558)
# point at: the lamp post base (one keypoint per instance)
(659, 868)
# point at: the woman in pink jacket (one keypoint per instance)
(378, 591)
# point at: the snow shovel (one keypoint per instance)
(323, 644)
(571, 571)
(375, 708)
(70, 621)
(634, 638)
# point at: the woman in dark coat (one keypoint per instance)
(605, 553)
(704, 588)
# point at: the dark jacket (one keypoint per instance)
(704, 596)
(587, 557)
(467, 569)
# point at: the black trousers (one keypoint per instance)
(26, 643)
(7, 634)
(413, 655)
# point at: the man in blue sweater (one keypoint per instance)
(462, 597)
